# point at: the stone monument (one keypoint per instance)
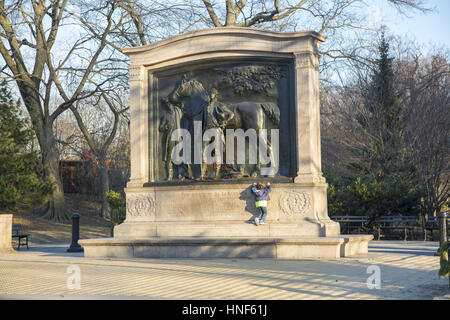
(200, 102)
(6, 233)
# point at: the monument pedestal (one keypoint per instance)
(6, 233)
(204, 220)
(202, 209)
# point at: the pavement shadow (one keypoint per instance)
(55, 250)
(424, 249)
(328, 278)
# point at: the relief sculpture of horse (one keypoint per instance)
(246, 114)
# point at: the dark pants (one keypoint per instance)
(263, 214)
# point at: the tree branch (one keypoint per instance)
(212, 14)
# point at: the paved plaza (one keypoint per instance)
(408, 270)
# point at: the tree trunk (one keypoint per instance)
(56, 208)
(43, 127)
(112, 225)
(104, 179)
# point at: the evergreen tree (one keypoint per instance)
(20, 169)
(382, 122)
(383, 182)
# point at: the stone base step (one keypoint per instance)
(214, 229)
(230, 247)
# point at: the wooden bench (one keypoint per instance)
(397, 222)
(360, 223)
(16, 233)
(351, 222)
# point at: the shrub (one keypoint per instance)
(117, 205)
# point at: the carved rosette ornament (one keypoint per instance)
(295, 202)
(140, 205)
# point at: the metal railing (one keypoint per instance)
(384, 223)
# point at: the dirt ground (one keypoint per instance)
(44, 231)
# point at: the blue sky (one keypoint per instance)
(430, 28)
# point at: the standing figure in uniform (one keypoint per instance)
(217, 116)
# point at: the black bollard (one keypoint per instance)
(75, 247)
(442, 216)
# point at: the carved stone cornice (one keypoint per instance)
(309, 178)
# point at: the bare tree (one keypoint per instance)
(426, 87)
(100, 140)
(338, 106)
(67, 139)
(343, 22)
(243, 13)
(66, 49)
(29, 32)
